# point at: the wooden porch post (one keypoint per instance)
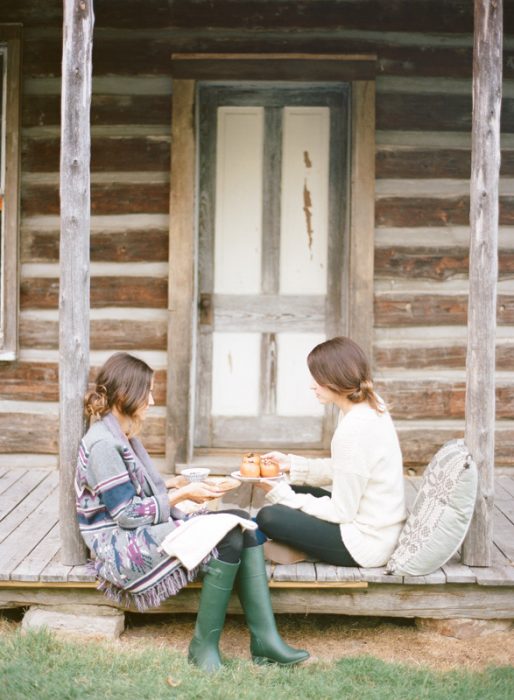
(181, 272)
(74, 259)
(483, 271)
(359, 308)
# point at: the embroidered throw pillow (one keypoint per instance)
(441, 513)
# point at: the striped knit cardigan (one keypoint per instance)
(124, 515)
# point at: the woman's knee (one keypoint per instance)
(267, 518)
(230, 547)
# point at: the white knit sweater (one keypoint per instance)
(366, 475)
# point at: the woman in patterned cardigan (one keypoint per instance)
(125, 513)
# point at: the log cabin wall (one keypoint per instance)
(423, 115)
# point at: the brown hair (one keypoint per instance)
(124, 382)
(341, 365)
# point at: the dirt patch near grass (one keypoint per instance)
(327, 637)
(330, 637)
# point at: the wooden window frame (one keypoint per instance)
(10, 42)
(358, 267)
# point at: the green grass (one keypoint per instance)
(41, 666)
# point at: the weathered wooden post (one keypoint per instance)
(181, 276)
(483, 271)
(74, 258)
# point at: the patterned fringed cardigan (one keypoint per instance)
(124, 515)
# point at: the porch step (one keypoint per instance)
(84, 621)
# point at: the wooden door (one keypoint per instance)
(272, 182)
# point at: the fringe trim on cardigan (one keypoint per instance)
(157, 594)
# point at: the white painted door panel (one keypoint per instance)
(294, 394)
(267, 221)
(304, 223)
(238, 227)
(235, 374)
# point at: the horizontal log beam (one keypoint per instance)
(32, 15)
(422, 399)
(419, 445)
(38, 433)
(433, 211)
(131, 334)
(106, 199)
(430, 263)
(26, 432)
(39, 381)
(415, 399)
(115, 154)
(153, 198)
(416, 163)
(149, 154)
(401, 16)
(348, 598)
(115, 54)
(105, 334)
(44, 110)
(451, 355)
(432, 309)
(130, 245)
(432, 112)
(137, 292)
(433, 15)
(394, 111)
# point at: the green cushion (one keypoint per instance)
(441, 514)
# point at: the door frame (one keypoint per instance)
(357, 270)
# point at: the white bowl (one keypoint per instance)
(196, 473)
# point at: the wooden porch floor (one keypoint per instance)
(31, 573)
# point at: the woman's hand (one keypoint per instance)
(196, 491)
(175, 482)
(284, 461)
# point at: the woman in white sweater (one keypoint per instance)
(358, 521)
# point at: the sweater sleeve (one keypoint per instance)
(349, 481)
(112, 482)
(313, 472)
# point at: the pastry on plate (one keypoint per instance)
(250, 465)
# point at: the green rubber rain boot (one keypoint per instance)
(216, 589)
(266, 645)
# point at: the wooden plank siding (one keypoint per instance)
(423, 122)
(414, 399)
